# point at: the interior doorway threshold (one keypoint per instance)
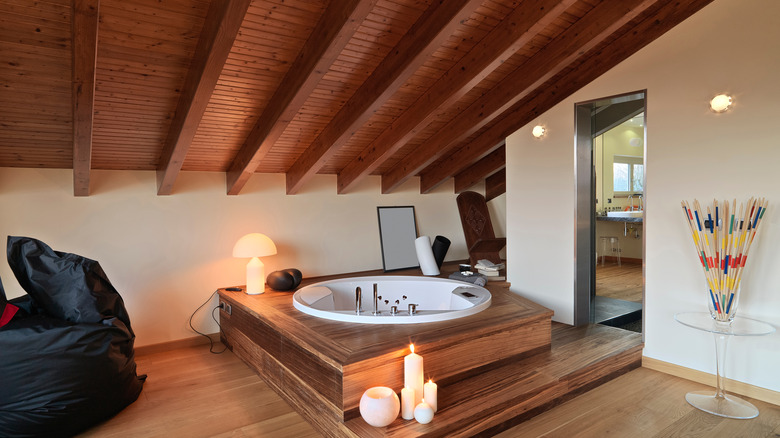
(614, 312)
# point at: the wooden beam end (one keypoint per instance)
(80, 183)
(164, 183)
(236, 180)
(293, 184)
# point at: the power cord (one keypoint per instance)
(211, 341)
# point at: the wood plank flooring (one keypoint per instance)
(619, 282)
(192, 393)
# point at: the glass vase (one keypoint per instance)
(723, 306)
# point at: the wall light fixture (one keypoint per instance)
(539, 131)
(721, 103)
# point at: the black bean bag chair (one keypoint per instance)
(66, 353)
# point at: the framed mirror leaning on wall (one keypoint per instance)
(397, 233)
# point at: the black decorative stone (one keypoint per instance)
(280, 280)
(297, 276)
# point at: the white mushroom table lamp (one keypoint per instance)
(254, 245)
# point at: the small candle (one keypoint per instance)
(407, 403)
(413, 374)
(423, 413)
(430, 390)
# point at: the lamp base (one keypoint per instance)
(255, 277)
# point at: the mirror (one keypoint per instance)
(397, 233)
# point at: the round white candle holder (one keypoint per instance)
(379, 406)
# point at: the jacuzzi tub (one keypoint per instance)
(436, 299)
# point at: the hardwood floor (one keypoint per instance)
(619, 282)
(191, 392)
(644, 403)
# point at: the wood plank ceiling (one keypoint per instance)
(397, 88)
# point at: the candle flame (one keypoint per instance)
(411, 347)
(430, 380)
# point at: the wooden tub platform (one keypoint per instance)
(493, 369)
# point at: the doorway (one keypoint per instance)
(609, 237)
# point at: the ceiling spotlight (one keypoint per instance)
(720, 103)
(538, 131)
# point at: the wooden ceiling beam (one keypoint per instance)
(456, 162)
(592, 65)
(509, 36)
(330, 36)
(482, 169)
(597, 25)
(495, 185)
(219, 32)
(428, 33)
(84, 31)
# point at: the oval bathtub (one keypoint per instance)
(436, 299)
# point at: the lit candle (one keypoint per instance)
(430, 395)
(407, 403)
(413, 374)
(423, 413)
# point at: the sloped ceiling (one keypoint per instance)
(396, 88)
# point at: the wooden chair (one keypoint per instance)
(481, 241)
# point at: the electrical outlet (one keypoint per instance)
(227, 308)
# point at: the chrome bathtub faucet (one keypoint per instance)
(376, 310)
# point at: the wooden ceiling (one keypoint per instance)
(396, 88)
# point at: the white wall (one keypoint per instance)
(167, 254)
(731, 46)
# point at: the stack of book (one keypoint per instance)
(491, 270)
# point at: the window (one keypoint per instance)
(628, 175)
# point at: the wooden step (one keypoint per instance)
(494, 369)
(581, 358)
(337, 361)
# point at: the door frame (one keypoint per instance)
(585, 205)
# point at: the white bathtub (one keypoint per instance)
(436, 299)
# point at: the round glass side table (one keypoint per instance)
(718, 402)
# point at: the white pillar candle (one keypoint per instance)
(430, 394)
(413, 374)
(407, 403)
(423, 413)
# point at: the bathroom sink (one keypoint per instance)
(624, 213)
